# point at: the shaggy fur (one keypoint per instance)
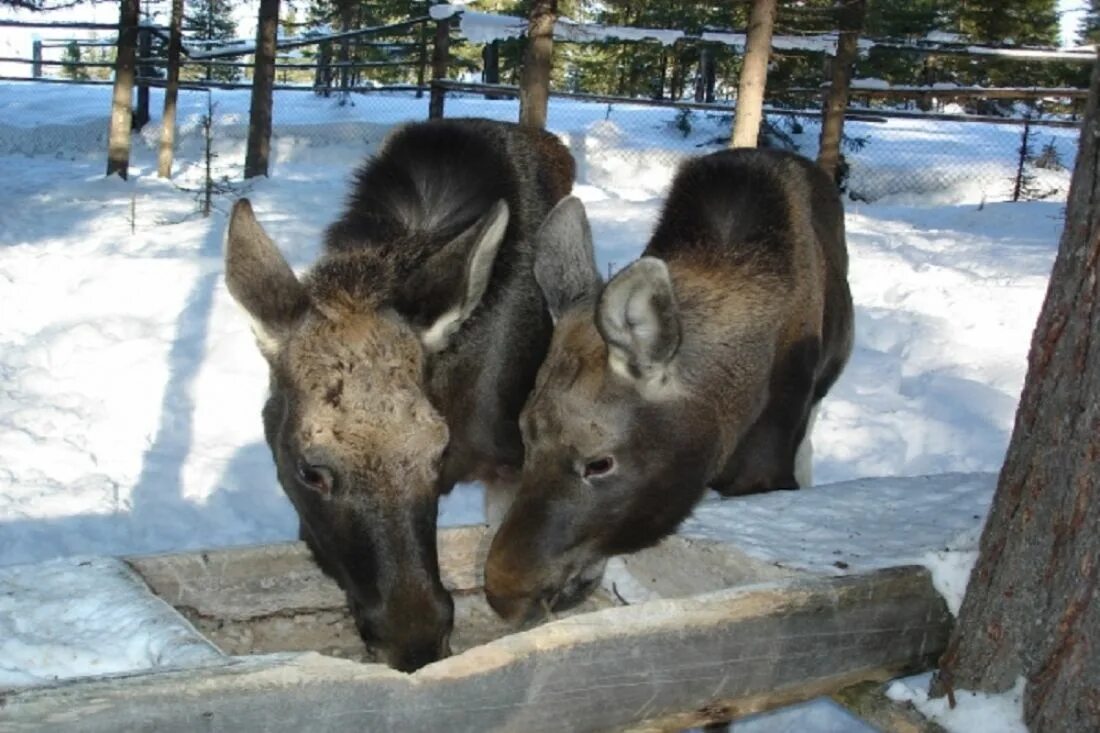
(696, 366)
(400, 362)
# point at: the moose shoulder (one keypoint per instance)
(698, 365)
(400, 362)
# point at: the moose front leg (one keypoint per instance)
(777, 451)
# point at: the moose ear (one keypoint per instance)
(439, 297)
(565, 266)
(638, 317)
(260, 279)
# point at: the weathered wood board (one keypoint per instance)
(713, 652)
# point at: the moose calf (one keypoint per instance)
(400, 362)
(698, 365)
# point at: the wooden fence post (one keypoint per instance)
(36, 55)
(118, 134)
(832, 122)
(440, 54)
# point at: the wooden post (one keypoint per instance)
(832, 115)
(754, 75)
(171, 93)
(118, 134)
(534, 87)
(440, 53)
(263, 79)
(36, 56)
(145, 49)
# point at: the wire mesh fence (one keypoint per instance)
(633, 145)
(628, 147)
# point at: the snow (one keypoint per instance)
(478, 27)
(131, 392)
(78, 616)
(974, 712)
(861, 525)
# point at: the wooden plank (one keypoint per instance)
(734, 650)
(246, 582)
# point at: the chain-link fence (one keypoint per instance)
(627, 147)
(632, 146)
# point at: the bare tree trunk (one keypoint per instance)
(1032, 607)
(322, 78)
(144, 71)
(754, 75)
(343, 54)
(534, 87)
(704, 83)
(490, 72)
(422, 59)
(171, 93)
(440, 54)
(832, 122)
(263, 79)
(118, 134)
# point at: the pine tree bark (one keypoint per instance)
(171, 93)
(832, 122)
(263, 81)
(1031, 608)
(754, 75)
(118, 134)
(534, 88)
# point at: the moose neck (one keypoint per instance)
(728, 344)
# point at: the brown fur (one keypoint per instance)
(697, 366)
(400, 363)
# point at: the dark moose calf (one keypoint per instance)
(698, 365)
(399, 364)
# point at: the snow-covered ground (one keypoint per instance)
(131, 388)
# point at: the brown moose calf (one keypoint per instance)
(400, 362)
(698, 365)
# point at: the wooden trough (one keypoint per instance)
(728, 635)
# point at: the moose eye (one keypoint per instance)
(316, 477)
(599, 467)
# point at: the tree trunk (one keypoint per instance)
(322, 79)
(534, 88)
(144, 72)
(754, 75)
(704, 82)
(422, 59)
(490, 69)
(1031, 608)
(118, 134)
(832, 121)
(263, 79)
(171, 93)
(343, 54)
(440, 54)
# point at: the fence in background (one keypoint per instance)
(614, 140)
(342, 89)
